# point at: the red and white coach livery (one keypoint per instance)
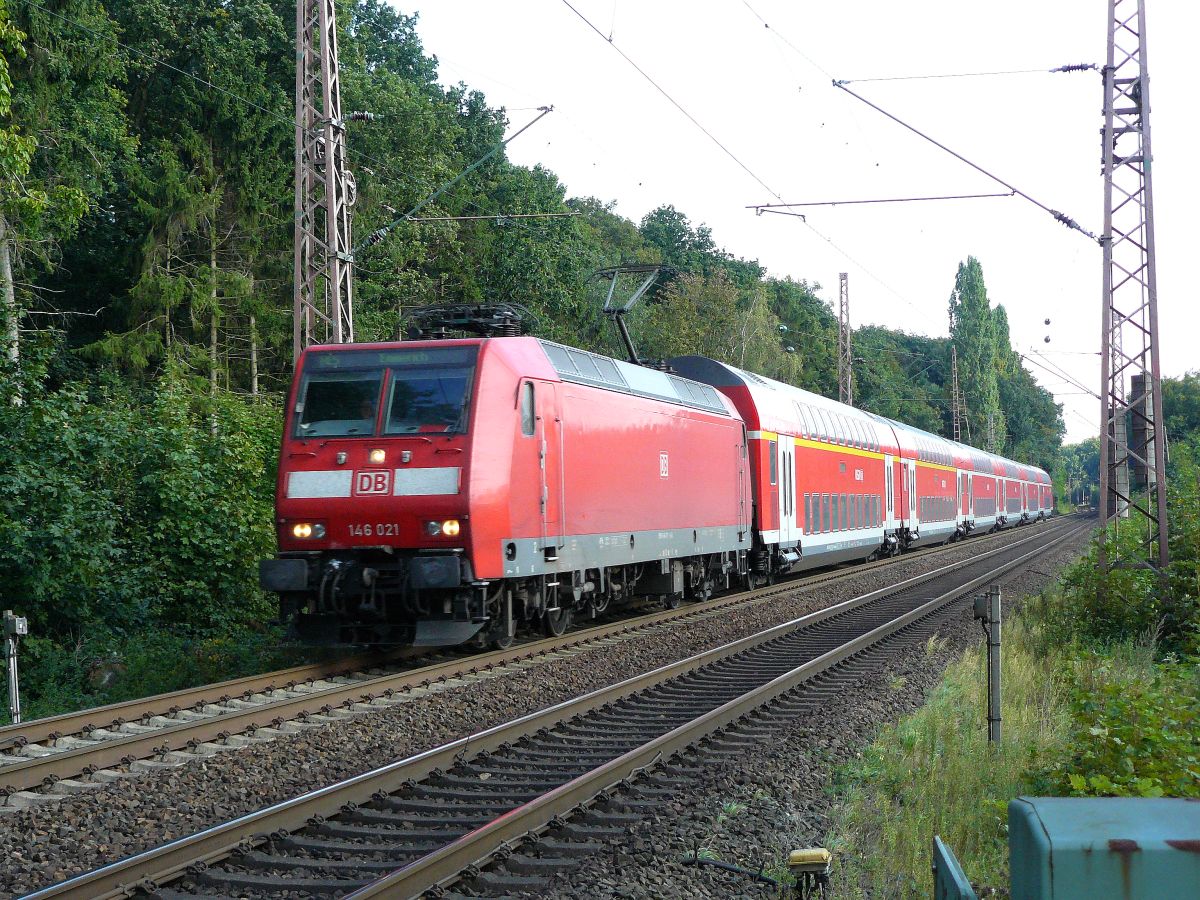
(440, 491)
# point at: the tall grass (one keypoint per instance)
(934, 773)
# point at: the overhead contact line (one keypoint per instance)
(672, 100)
(1060, 217)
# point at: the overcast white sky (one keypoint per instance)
(614, 137)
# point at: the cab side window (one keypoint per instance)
(527, 417)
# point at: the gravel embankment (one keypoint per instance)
(47, 843)
(782, 791)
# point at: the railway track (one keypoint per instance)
(430, 821)
(43, 760)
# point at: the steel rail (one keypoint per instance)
(45, 771)
(51, 728)
(443, 866)
(161, 864)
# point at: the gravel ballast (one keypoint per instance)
(48, 843)
(779, 798)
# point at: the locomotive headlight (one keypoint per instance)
(377, 456)
(450, 528)
(433, 529)
(306, 530)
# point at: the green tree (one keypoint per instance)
(973, 331)
(207, 191)
(63, 143)
(1181, 406)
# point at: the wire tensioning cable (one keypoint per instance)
(498, 217)
(380, 233)
(804, 56)
(1058, 216)
(773, 207)
(1060, 374)
(1073, 67)
(672, 100)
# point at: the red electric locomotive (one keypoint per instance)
(434, 492)
(442, 491)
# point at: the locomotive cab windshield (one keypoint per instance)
(419, 390)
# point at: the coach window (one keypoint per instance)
(824, 512)
(845, 514)
(527, 408)
(773, 451)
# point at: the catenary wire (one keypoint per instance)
(1074, 382)
(770, 207)
(1058, 216)
(955, 75)
(1059, 369)
(672, 100)
(380, 233)
(804, 56)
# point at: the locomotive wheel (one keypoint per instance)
(501, 641)
(555, 622)
(672, 601)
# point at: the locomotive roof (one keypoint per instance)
(584, 367)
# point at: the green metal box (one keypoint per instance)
(1124, 848)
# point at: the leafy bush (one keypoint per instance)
(121, 509)
(1096, 609)
(1132, 737)
(131, 525)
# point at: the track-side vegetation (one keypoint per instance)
(1101, 698)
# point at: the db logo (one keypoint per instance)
(662, 464)
(374, 482)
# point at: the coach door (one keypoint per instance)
(550, 463)
(913, 505)
(788, 530)
(889, 479)
(743, 517)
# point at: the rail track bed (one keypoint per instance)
(49, 759)
(439, 814)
